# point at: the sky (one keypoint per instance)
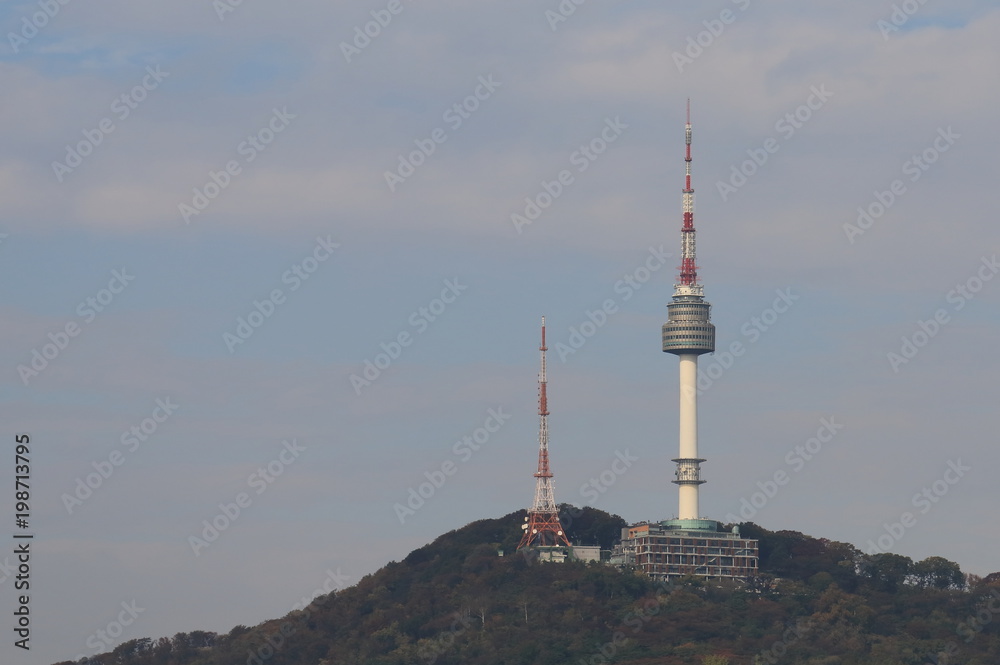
(275, 274)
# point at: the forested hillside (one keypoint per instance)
(455, 601)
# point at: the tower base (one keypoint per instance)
(543, 530)
(692, 525)
(682, 547)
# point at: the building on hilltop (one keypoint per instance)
(676, 548)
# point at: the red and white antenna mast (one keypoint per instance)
(542, 527)
(689, 271)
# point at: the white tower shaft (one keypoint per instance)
(688, 493)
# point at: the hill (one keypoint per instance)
(817, 602)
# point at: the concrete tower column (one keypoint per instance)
(688, 493)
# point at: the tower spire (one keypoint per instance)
(542, 525)
(687, 334)
(689, 271)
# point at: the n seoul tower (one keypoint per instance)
(688, 544)
(687, 334)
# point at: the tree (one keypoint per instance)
(714, 660)
(939, 573)
(590, 526)
(888, 571)
(992, 579)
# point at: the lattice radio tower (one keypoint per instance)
(541, 526)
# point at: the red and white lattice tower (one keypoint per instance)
(541, 526)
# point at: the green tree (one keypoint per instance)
(714, 660)
(939, 573)
(888, 571)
